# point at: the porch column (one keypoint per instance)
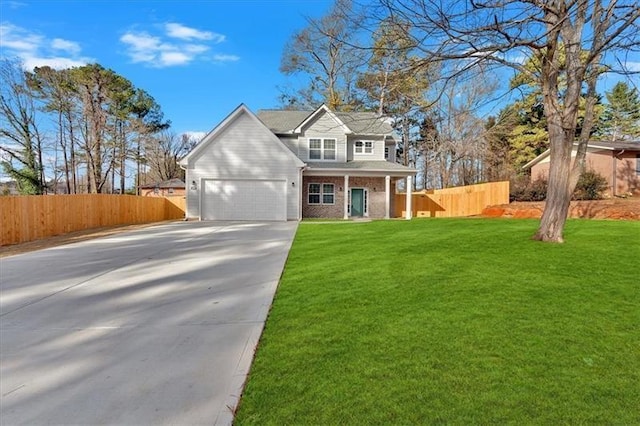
(346, 197)
(387, 194)
(409, 192)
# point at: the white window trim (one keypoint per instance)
(323, 149)
(309, 193)
(363, 148)
(321, 193)
(333, 193)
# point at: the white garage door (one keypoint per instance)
(244, 200)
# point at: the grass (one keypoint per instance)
(452, 321)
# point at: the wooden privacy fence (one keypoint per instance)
(31, 217)
(454, 202)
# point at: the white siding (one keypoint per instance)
(326, 128)
(244, 150)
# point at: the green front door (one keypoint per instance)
(357, 202)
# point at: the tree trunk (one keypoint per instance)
(72, 156)
(123, 158)
(65, 158)
(561, 183)
(556, 209)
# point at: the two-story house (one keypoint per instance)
(286, 165)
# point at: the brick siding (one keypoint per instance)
(374, 185)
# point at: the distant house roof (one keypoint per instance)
(361, 123)
(627, 145)
(9, 188)
(171, 183)
(593, 145)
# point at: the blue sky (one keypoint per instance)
(198, 59)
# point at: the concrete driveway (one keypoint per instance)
(154, 326)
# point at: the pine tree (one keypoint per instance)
(621, 118)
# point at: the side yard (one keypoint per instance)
(457, 321)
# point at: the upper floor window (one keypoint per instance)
(365, 147)
(322, 149)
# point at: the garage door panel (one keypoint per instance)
(244, 200)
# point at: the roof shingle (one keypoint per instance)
(362, 123)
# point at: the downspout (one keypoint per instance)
(186, 191)
(300, 184)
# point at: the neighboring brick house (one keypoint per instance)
(286, 165)
(168, 188)
(618, 162)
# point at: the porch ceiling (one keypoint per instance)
(358, 168)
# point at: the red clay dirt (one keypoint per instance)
(615, 208)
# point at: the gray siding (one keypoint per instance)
(290, 142)
(244, 150)
(323, 127)
(378, 148)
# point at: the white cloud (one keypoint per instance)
(173, 48)
(186, 33)
(225, 58)
(36, 50)
(141, 41)
(195, 135)
(174, 58)
(632, 66)
(196, 48)
(16, 4)
(66, 45)
(145, 48)
(54, 62)
(16, 39)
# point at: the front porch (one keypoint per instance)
(346, 197)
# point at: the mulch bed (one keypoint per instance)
(615, 208)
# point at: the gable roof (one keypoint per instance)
(282, 121)
(361, 123)
(228, 121)
(602, 145)
(365, 123)
(322, 109)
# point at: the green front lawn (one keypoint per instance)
(452, 321)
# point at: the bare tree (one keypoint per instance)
(322, 53)
(162, 153)
(57, 91)
(454, 154)
(20, 138)
(570, 40)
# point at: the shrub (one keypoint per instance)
(524, 190)
(591, 186)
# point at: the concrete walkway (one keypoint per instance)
(154, 326)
